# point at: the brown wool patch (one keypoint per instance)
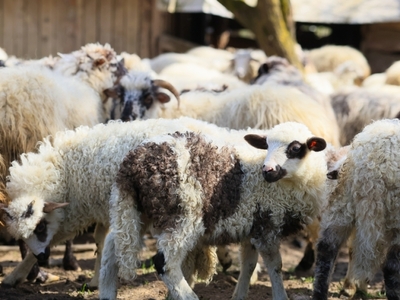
(150, 174)
(220, 175)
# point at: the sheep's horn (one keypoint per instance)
(166, 85)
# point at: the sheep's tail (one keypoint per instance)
(125, 222)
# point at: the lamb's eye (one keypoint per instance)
(41, 227)
(296, 148)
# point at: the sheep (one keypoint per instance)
(357, 107)
(36, 102)
(257, 106)
(329, 57)
(61, 172)
(364, 204)
(95, 64)
(188, 206)
(277, 70)
(377, 79)
(392, 74)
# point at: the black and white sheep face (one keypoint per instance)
(138, 96)
(287, 150)
(33, 221)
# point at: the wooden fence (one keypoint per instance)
(37, 28)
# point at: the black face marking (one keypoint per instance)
(159, 262)
(41, 230)
(273, 176)
(333, 175)
(296, 150)
(29, 211)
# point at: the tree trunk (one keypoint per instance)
(271, 22)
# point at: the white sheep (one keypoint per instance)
(62, 172)
(329, 57)
(187, 206)
(364, 205)
(356, 107)
(257, 106)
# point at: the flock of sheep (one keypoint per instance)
(202, 149)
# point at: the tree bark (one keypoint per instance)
(271, 22)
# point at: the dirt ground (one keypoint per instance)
(148, 286)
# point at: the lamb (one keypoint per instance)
(393, 74)
(62, 172)
(188, 206)
(330, 57)
(358, 106)
(364, 204)
(258, 106)
(277, 70)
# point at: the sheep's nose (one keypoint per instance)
(271, 175)
(43, 256)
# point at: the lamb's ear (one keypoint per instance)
(113, 92)
(99, 62)
(316, 144)
(163, 97)
(257, 141)
(50, 206)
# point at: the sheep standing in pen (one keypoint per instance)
(365, 202)
(257, 106)
(357, 107)
(36, 102)
(62, 172)
(166, 184)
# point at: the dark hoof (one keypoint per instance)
(71, 264)
(226, 266)
(33, 273)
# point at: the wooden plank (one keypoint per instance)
(89, 15)
(46, 28)
(120, 20)
(78, 25)
(18, 35)
(8, 27)
(104, 23)
(169, 43)
(145, 24)
(132, 26)
(2, 12)
(31, 13)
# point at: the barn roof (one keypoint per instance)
(312, 11)
(346, 11)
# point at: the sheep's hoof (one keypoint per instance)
(349, 288)
(71, 264)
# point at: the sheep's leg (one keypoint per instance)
(171, 273)
(100, 233)
(327, 250)
(248, 262)
(308, 259)
(108, 279)
(69, 260)
(273, 261)
(391, 273)
(20, 272)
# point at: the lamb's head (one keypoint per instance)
(96, 64)
(277, 69)
(291, 148)
(34, 221)
(137, 95)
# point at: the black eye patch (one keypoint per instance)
(29, 211)
(296, 150)
(41, 230)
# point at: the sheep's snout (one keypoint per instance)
(126, 114)
(43, 256)
(273, 174)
